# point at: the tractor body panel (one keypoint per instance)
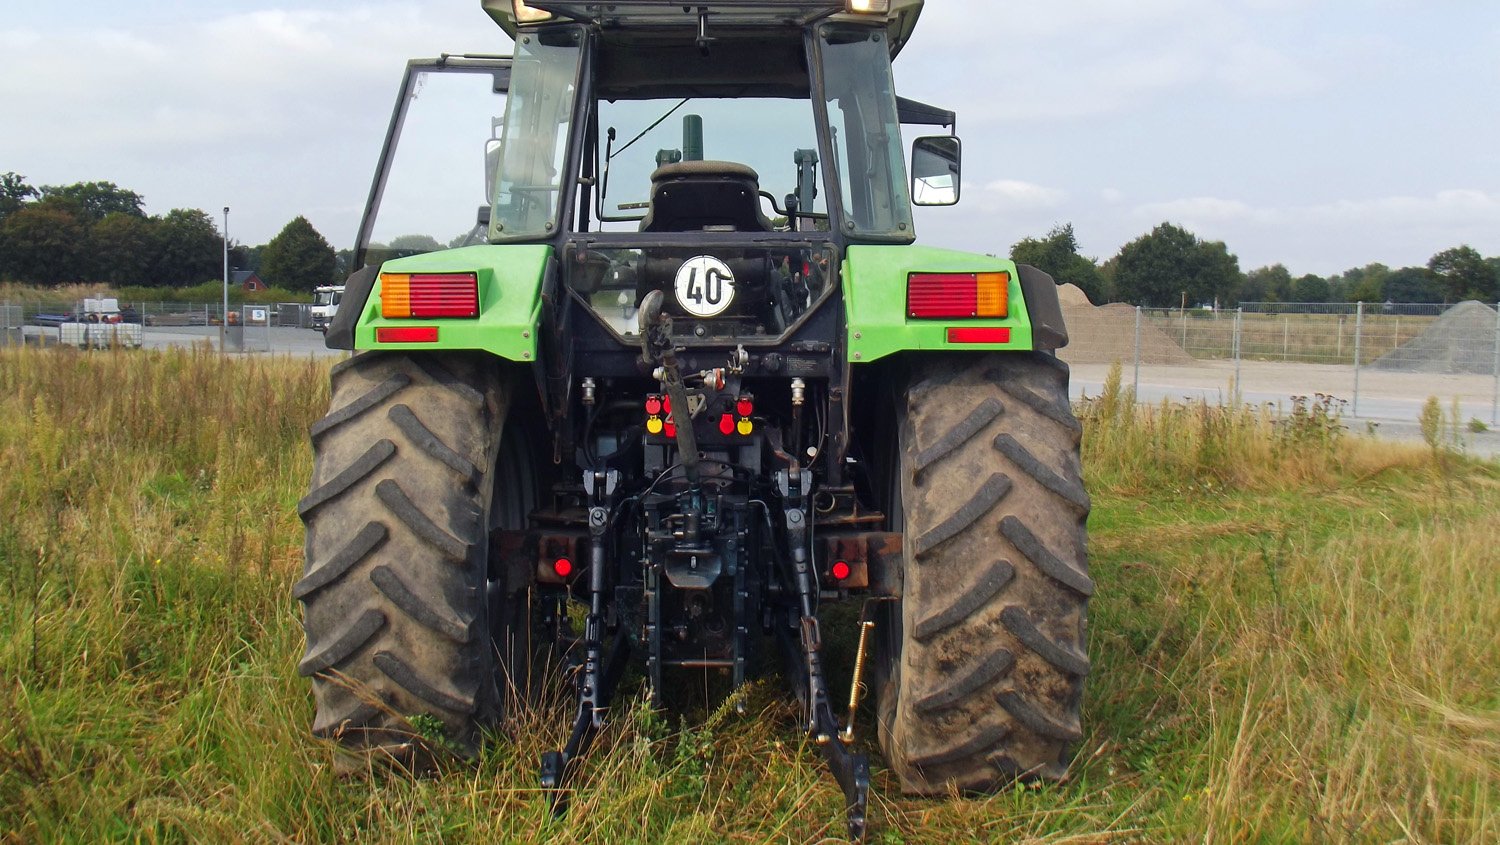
(509, 278)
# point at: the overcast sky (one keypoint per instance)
(1323, 134)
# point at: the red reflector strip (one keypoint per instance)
(407, 334)
(942, 295)
(444, 295)
(978, 335)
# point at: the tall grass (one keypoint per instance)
(1293, 641)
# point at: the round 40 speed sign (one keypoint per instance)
(705, 286)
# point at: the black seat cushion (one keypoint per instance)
(690, 196)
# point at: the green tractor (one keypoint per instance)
(678, 381)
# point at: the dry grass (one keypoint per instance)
(1293, 641)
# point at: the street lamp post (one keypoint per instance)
(224, 315)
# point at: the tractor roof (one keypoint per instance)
(660, 15)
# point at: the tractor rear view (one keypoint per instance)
(664, 375)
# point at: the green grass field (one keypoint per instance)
(1296, 638)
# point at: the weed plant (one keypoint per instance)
(1293, 641)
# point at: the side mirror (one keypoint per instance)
(936, 162)
(492, 151)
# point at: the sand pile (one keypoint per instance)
(1459, 342)
(1071, 294)
(1106, 334)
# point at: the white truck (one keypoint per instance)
(325, 305)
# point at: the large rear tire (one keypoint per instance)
(394, 595)
(982, 664)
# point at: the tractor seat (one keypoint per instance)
(691, 196)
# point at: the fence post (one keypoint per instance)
(1137, 387)
(1495, 395)
(1239, 322)
(1286, 334)
(1184, 329)
(1359, 324)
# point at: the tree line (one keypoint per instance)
(1170, 267)
(100, 232)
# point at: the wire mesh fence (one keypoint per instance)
(1379, 353)
(285, 327)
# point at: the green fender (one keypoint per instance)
(510, 283)
(874, 281)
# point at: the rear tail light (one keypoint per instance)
(950, 295)
(429, 295)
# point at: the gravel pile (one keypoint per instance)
(1462, 341)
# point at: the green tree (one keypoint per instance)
(42, 243)
(1411, 284)
(189, 248)
(14, 192)
(125, 249)
(298, 258)
(1362, 284)
(1462, 273)
(1267, 284)
(1312, 288)
(413, 244)
(1169, 264)
(98, 199)
(1057, 256)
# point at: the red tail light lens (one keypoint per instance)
(407, 334)
(840, 570)
(949, 295)
(563, 567)
(979, 335)
(429, 295)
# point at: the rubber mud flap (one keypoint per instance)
(340, 334)
(1047, 328)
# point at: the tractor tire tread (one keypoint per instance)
(980, 680)
(397, 545)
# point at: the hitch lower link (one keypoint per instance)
(600, 672)
(850, 768)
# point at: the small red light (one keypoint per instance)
(726, 424)
(563, 567)
(670, 429)
(840, 570)
(407, 334)
(995, 335)
(653, 405)
(666, 403)
(745, 407)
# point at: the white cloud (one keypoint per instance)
(1013, 193)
